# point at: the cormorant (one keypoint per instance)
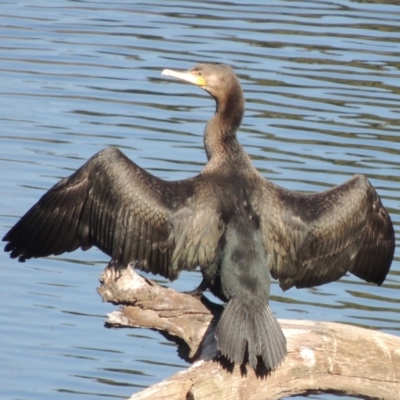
(229, 220)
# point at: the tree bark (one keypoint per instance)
(322, 357)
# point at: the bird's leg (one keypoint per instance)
(198, 292)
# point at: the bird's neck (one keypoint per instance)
(220, 133)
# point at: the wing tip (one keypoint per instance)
(15, 252)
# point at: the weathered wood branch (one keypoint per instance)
(321, 356)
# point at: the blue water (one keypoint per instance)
(321, 81)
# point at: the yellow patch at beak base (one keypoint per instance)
(186, 76)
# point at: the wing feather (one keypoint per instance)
(115, 205)
(317, 238)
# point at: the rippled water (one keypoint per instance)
(322, 87)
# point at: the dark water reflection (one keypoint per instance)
(321, 81)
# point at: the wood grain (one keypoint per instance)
(322, 356)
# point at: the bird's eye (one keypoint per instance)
(199, 73)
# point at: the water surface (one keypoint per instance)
(321, 81)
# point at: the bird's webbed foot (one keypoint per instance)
(116, 268)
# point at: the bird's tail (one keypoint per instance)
(259, 330)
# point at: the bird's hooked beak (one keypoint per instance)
(189, 76)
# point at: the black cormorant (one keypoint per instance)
(229, 220)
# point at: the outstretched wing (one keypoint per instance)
(314, 239)
(131, 215)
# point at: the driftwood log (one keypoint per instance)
(322, 357)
